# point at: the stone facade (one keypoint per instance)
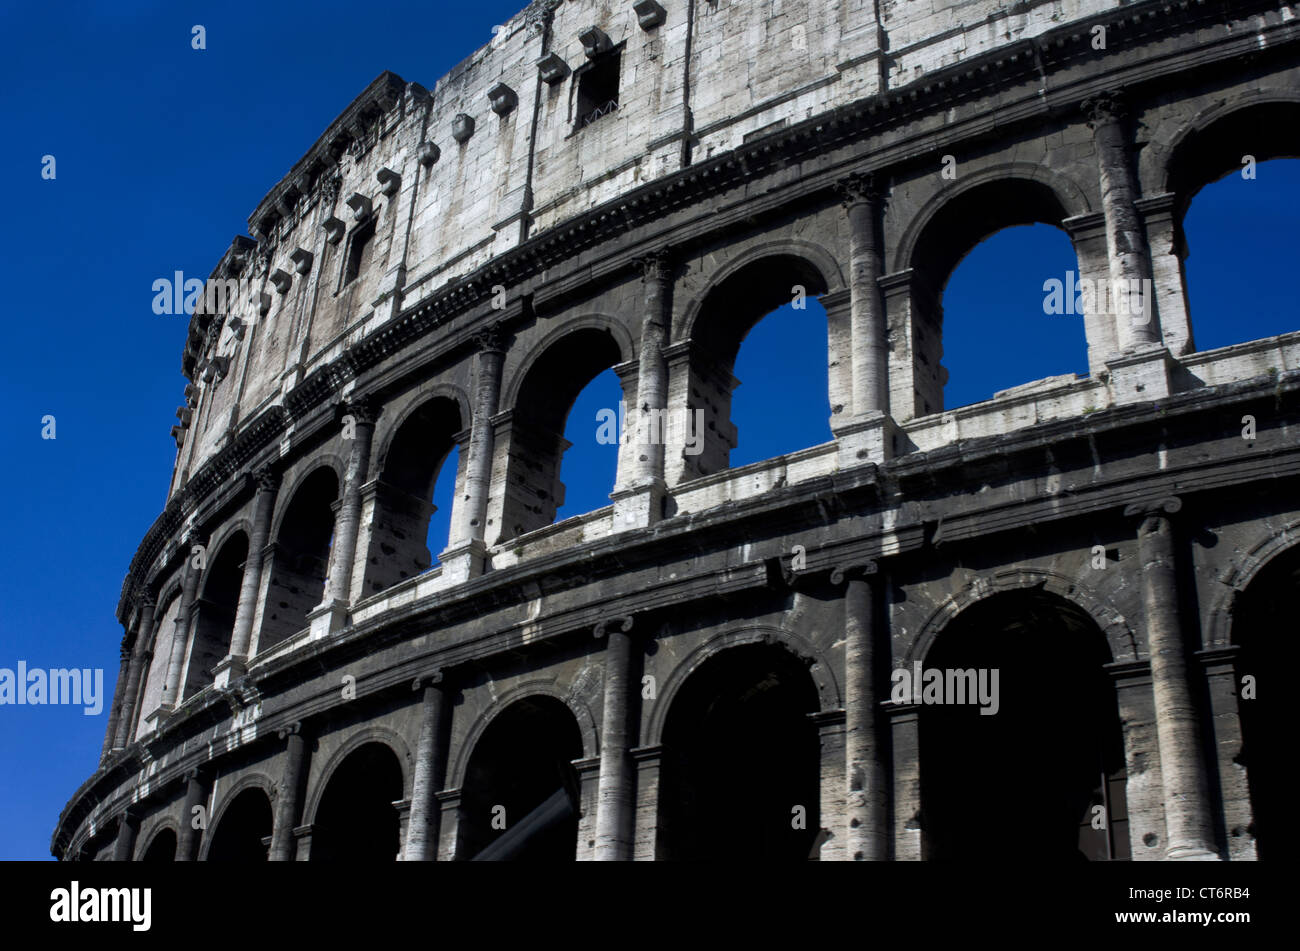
(634, 186)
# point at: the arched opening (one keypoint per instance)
(974, 322)
(243, 832)
(162, 848)
(357, 820)
(1042, 772)
(534, 491)
(421, 460)
(154, 680)
(741, 757)
(215, 620)
(300, 563)
(784, 404)
(520, 796)
(1263, 621)
(996, 332)
(593, 430)
(1238, 217)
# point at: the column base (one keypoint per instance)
(463, 562)
(228, 669)
(639, 507)
(328, 618)
(1140, 375)
(864, 439)
(155, 720)
(1192, 853)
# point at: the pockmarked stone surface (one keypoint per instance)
(1054, 604)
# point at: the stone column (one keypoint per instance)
(430, 767)
(1220, 666)
(614, 808)
(904, 720)
(865, 767)
(127, 827)
(403, 809)
(587, 771)
(140, 653)
(286, 800)
(469, 517)
(649, 767)
(1125, 237)
(861, 199)
(119, 696)
(830, 784)
(180, 639)
(1188, 824)
(1168, 248)
(1143, 787)
(331, 614)
(233, 666)
(196, 798)
(448, 824)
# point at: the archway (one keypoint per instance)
(536, 446)
(162, 848)
(423, 456)
(1042, 774)
(153, 680)
(520, 796)
(357, 820)
(1263, 619)
(215, 620)
(243, 830)
(786, 402)
(741, 761)
(301, 559)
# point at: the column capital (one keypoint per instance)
(858, 569)
(364, 409)
(428, 679)
(656, 265)
(859, 187)
(264, 478)
(602, 626)
(1154, 508)
(290, 729)
(1104, 107)
(490, 338)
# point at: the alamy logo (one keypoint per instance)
(613, 428)
(1079, 295)
(951, 686)
(74, 904)
(60, 686)
(182, 296)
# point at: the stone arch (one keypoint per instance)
(403, 407)
(1120, 638)
(812, 253)
(149, 835)
(302, 532)
(249, 781)
(1071, 199)
(371, 734)
(594, 321)
(1158, 161)
(820, 670)
(217, 599)
(285, 496)
(1236, 577)
(538, 687)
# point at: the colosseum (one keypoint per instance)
(710, 665)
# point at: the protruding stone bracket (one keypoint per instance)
(263, 304)
(183, 413)
(281, 280)
(301, 259)
(552, 68)
(359, 204)
(334, 229)
(503, 99)
(624, 622)
(595, 41)
(237, 327)
(462, 127)
(389, 181)
(222, 365)
(649, 14)
(429, 154)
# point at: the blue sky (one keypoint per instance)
(162, 151)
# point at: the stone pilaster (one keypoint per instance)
(649, 768)
(1220, 667)
(867, 774)
(331, 614)
(614, 805)
(830, 784)
(1125, 236)
(430, 767)
(140, 652)
(861, 198)
(1143, 787)
(234, 664)
(588, 773)
(119, 696)
(904, 722)
(196, 798)
(128, 826)
(171, 695)
(448, 824)
(469, 517)
(1168, 249)
(1188, 824)
(286, 799)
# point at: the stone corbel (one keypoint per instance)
(183, 413)
(462, 127)
(552, 68)
(301, 260)
(503, 99)
(263, 304)
(236, 326)
(429, 154)
(389, 181)
(334, 229)
(595, 41)
(281, 280)
(222, 364)
(359, 204)
(649, 14)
